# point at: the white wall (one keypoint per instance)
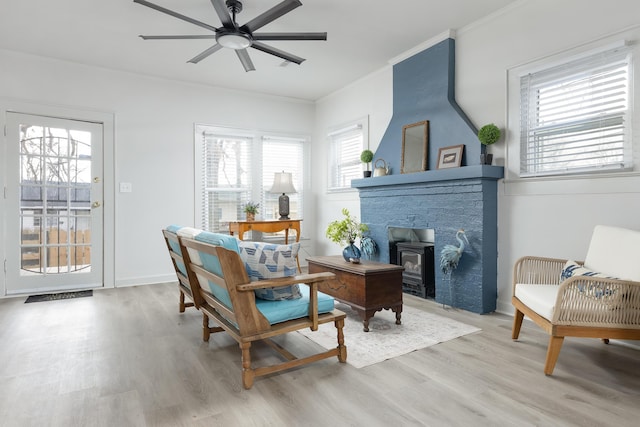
(543, 218)
(535, 218)
(154, 143)
(370, 96)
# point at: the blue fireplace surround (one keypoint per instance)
(442, 200)
(445, 201)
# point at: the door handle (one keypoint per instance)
(95, 205)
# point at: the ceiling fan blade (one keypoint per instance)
(205, 36)
(216, 47)
(175, 14)
(243, 56)
(277, 52)
(289, 36)
(271, 15)
(223, 13)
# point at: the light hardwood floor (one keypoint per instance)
(126, 357)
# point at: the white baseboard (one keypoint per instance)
(149, 280)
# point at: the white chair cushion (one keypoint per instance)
(539, 298)
(613, 251)
(191, 233)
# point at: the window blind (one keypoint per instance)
(227, 179)
(282, 154)
(345, 165)
(574, 117)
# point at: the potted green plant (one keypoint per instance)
(345, 232)
(488, 135)
(251, 209)
(366, 157)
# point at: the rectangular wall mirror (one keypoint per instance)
(415, 143)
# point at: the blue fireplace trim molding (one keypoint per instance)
(477, 171)
(442, 200)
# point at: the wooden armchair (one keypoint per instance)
(599, 298)
(221, 289)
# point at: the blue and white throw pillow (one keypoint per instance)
(270, 261)
(572, 268)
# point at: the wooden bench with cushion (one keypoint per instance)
(184, 287)
(597, 298)
(222, 290)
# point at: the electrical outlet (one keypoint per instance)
(126, 187)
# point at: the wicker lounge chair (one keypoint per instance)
(599, 298)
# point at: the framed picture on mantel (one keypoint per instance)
(450, 157)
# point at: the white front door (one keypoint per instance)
(53, 195)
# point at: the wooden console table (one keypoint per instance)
(268, 226)
(367, 287)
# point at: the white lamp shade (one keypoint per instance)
(282, 183)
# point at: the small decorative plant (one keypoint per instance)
(366, 157)
(251, 208)
(489, 134)
(347, 230)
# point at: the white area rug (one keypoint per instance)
(385, 339)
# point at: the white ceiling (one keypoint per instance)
(363, 35)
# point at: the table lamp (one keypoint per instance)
(283, 183)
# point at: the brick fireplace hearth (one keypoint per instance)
(443, 201)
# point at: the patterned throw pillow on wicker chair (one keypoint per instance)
(572, 268)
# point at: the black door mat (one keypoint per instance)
(59, 296)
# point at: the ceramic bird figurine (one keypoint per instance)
(450, 255)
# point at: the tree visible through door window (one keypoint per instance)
(55, 189)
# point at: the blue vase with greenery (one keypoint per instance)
(351, 252)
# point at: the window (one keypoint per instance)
(227, 178)
(282, 154)
(237, 166)
(575, 116)
(347, 143)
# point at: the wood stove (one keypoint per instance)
(418, 277)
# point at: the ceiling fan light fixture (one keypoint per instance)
(232, 36)
(235, 41)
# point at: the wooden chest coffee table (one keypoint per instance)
(366, 287)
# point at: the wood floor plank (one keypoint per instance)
(127, 357)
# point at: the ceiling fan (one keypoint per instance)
(239, 38)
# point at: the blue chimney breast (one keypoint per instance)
(424, 89)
